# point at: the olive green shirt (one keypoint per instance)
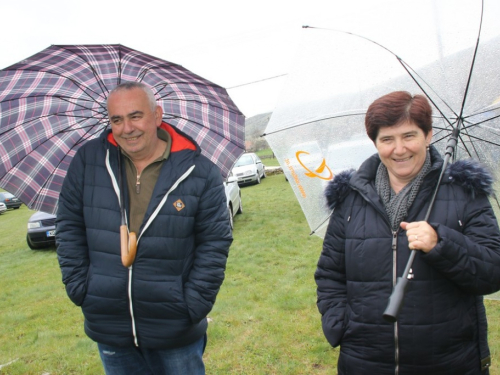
(141, 186)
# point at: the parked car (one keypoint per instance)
(41, 230)
(233, 196)
(3, 207)
(10, 200)
(249, 169)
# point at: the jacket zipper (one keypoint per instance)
(394, 281)
(150, 220)
(394, 247)
(154, 214)
(138, 184)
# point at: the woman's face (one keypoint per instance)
(402, 149)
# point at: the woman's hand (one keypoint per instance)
(421, 236)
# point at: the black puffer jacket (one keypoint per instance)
(162, 300)
(441, 328)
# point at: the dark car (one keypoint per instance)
(41, 230)
(10, 200)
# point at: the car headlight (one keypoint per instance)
(34, 225)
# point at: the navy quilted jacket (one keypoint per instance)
(163, 299)
(441, 328)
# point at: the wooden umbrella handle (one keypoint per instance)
(128, 245)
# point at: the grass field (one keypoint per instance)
(265, 320)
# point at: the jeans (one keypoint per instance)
(186, 360)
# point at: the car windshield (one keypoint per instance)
(244, 160)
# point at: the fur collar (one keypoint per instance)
(469, 174)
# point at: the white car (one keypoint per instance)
(233, 197)
(3, 207)
(249, 169)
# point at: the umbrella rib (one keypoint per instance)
(83, 138)
(440, 139)
(408, 68)
(119, 73)
(322, 223)
(91, 67)
(405, 66)
(461, 138)
(473, 60)
(83, 88)
(52, 114)
(483, 140)
(310, 122)
(65, 98)
(472, 125)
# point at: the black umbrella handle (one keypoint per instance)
(396, 300)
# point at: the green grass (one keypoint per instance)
(268, 158)
(265, 320)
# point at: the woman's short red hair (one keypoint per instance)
(395, 108)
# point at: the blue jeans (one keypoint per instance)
(186, 360)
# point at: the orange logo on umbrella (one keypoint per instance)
(319, 171)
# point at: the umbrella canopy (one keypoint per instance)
(447, 50)
(53, 102)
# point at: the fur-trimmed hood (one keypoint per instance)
(469, 174)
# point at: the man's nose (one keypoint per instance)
(127, 126)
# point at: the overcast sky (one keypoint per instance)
(231, 43)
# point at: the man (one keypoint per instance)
(149, 318)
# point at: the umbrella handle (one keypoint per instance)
(128, 245)
(395, 300)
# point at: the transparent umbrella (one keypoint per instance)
(448, 50)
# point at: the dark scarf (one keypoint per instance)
(397, 205)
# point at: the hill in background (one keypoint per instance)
(254, 128)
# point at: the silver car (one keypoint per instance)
(3, 207)
(249, 169)
(233, 196)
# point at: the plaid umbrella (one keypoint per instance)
(54, 101)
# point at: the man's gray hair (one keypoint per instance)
(129, 85)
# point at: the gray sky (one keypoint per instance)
(231, 43)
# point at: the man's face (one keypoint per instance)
(133, 123)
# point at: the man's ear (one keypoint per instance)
(158, 115)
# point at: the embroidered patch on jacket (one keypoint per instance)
(179, 205)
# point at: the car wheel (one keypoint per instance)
(30, 245)
(230, 211)
(258, 179)
(263, 173)
(16, 208)
(240, 209)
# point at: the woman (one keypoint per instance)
(378, 217)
